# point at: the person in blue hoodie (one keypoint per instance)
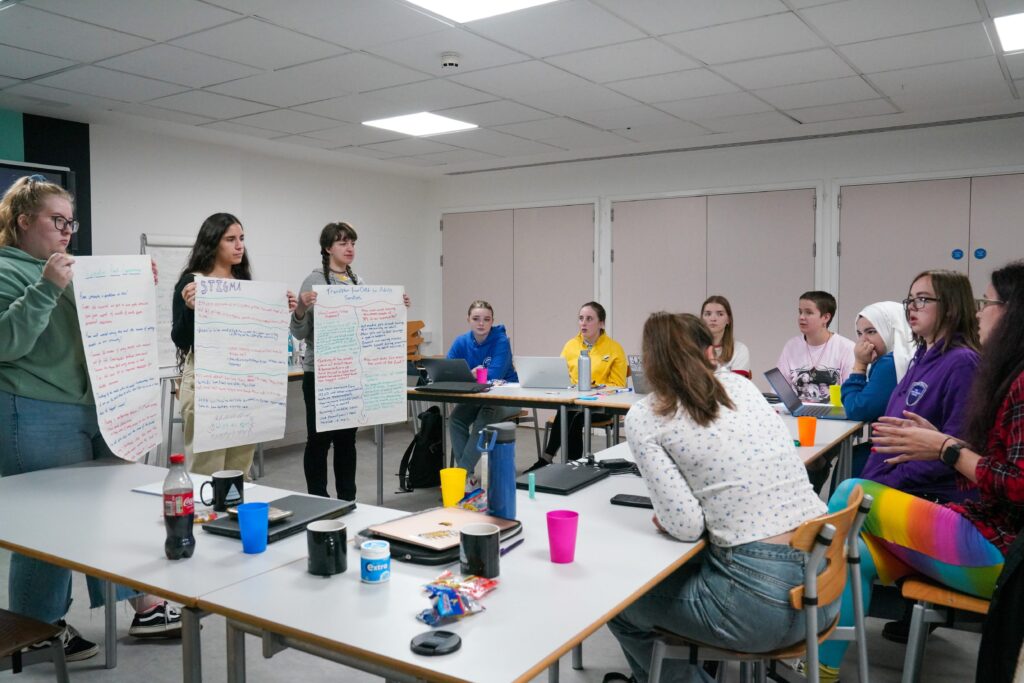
(486, 345)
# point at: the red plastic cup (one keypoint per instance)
(562, 525)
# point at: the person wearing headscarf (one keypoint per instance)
(884, 349)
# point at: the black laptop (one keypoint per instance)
(789, 398)
(450, 376)
(563, 478)
(304, 509)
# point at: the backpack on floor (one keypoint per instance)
(424, 458)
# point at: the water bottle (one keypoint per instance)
(179, 510)
(583, 371)
(501, 462)
(291, 352)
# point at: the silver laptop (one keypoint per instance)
(542, 372)
(789, 398)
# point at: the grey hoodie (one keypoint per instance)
(303, 329)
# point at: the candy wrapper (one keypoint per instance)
(475, 500)
(454, 598)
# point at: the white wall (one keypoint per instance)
(824, 164)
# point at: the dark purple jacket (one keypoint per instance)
(936, 388)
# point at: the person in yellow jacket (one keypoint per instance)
(607, 366)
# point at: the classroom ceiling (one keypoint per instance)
(574, 79)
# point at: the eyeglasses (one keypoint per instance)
(984, 303)
(64, 225)
(916, 303)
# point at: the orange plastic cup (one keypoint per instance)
(805, 428)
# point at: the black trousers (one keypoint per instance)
(314, 459)
(575, 432)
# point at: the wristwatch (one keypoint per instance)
(951, 454)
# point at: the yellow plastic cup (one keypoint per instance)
(453, 485)
(835, 395)
(805, 427)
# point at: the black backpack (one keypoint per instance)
(424, 458)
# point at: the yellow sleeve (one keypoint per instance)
(617, 372)
(571, 354)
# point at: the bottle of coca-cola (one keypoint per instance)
(179, 510)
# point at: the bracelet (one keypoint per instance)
(942, 448)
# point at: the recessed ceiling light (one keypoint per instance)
(423, 123)
(1011, 32)
(471, 10)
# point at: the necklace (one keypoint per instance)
(811, 359)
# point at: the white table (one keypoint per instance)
(539, 612)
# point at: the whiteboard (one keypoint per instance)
(171, 254)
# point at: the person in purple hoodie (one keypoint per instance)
(940, 310)
(486, 345)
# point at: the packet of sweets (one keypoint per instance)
(475, 500)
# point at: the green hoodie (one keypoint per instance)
(41, 353)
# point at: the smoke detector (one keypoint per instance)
(450, 60)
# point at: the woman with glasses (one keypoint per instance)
(47, 409)
(958, 544)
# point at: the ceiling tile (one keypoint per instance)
(768, 121)
(624, 60)
(17, 63)
(208, 104)
(364, 152)
(626, 117)
(354, 72)
(715, 106)
(355, 134)
(4, 81)
(800, 67)
(32, 29)
(287, 121)
(280, 88)
(546, 128)
(855, 21)
(523, 78)
(747, 39)
(800, 4)
(1016, 64)
(972, 81)
(676, 130)
(414, 161)
(240, 129)
(819, 93)
(457, 156)
(149, 112)
(928, 47)
(848, 110)
(56, 97)
(174, 64)
(431, 95)
(658, 17)
(542, 31)
(94, 80)
(305, 141)
(247, 41)
(424, 52)
(674, 86)
(411, 146)
(501, 144)
(495, 113)
(569, 101)
(352, 108)
(155, 19)
(591, 139)
(1000, 8)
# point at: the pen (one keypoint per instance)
(509, 548)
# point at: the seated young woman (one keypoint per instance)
(731, 355)
(486, 345)
(607, 366)
(958, 544)
(691, 438)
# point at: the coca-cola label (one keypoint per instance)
(178, 504)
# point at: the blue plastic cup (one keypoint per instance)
(252, 522)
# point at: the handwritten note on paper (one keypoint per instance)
(116, 304)
(359, 337)
(241, 359)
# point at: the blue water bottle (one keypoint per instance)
(501, 468)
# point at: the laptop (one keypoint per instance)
(304, 509)
(543, 372)
(449, 375)
(786, 394)
(563, 478)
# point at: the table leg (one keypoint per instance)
(846, 458)
(378, 432)
(587, 452)
(110, 625)
(563, 415)
(553, 672)
(577, 657)
(235, 653)
(191, 649)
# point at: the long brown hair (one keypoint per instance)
(955, 314)
(678, 370)
(25, 197)
(728, 338)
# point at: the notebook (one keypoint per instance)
(305, 509)
(542, 372)
(563, 478)
(786, 394)
(450, 375)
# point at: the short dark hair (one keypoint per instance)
(598, 308)
(825, 302)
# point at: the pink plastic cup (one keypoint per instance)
(481, 375)
(562, 525)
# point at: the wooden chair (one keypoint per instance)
(934, 604)
(17, 632)
(814, 537)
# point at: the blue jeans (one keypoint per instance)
(465, 424)
(734, 598)
(38, 435)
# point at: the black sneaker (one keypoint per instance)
(899, 631)
(541, 462)
(162, 621)
(76, 648)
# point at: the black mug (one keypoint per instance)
(327, 541)
(227, 487)
(478, 550)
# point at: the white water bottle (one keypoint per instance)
(583, 371)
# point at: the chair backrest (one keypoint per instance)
(833, 579)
